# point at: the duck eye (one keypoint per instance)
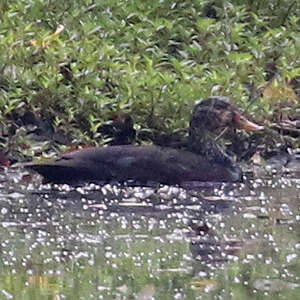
(225, 117)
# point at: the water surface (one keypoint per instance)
(218, 242)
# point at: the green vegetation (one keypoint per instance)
(150, 59)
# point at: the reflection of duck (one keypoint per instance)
(204, 160)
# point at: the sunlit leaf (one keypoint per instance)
(46, 41)
(278, 92)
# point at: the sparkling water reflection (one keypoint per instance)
(107, 242)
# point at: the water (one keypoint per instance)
(226, 241)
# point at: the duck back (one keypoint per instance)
(138, 163)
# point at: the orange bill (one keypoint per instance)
(243, 123)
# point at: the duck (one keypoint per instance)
(203, 159)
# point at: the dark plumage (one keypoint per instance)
(204, 159)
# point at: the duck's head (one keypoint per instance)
(209, 117)
(216, 113)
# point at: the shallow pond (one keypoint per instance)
(225, 241)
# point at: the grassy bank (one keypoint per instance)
(151, 60)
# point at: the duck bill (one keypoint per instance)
(243, 123)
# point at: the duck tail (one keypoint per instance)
(50, 172)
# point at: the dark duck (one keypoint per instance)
(202, 160)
